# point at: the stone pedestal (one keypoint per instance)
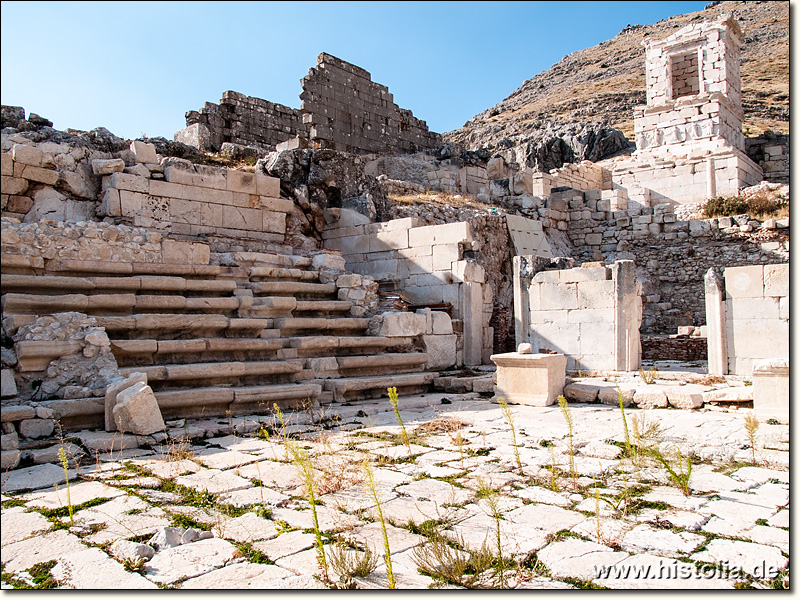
(771, 390)
(532, 379)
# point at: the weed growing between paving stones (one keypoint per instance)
(306, 471)
(62, 455)
(751, 427)
(438, 559)
(555, 479)
(628, 447)
(678, 475)
(562, 404)
(494, 512)
(347, 563)
(393, 399)
(506, 410)
(372, 489)
(649, 376)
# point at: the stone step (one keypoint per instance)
(61, 284)
(217, 370)
(320, 324)
(182, 323)
(271, 259)
(327, 343)
(273, 273)
(373, 361)
(376, 386)
(323, 306)
(216, 401)
(114, 303)
(122, 348)
(137, 268)
(34, 355)
(292, 288)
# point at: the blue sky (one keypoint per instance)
(137, 67)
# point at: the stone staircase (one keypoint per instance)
(216, 340)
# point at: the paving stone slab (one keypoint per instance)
(763, 562)
(357, 497)
(548, 518)
(648, 572)
(290, 542)
(705, 482)
(214, 481)
(401, 511)
(684, 519)
(328, 518)
(168, 469)
(760, 474)
(239, 576)
(435, 491)
(130, 526)
(79, 492)
(247, 528)
(252, 496)
(223, 458)
(34, 478)
(401, 451)
(93, 569)
(481, 529)
(780, 519)
(770, 536)
(661, 542)
(673, 497)
(608, 531)
(543, 496)
(400, 540)
(278, 475)
(731, 510)
(17, 524)
(22, 555)
(543, 583)
(189, 560)
(305, 562)
(578, 558)
(105, 442)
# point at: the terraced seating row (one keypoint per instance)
(217, 339)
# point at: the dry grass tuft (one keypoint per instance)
(442, 425)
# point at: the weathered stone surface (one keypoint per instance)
(8, 386)
(648, 572)
(113, 391)
(107, 166)
(286, 544)
(645, 538)
(214, 481)
(80, 492)
(16, 524)
(189, 560)
(247, 528)
(240, 576)
(34, 478)
(530, 379)
(132, 551)
(93, 569)
(577, 558)
(763, 562)
(36, 428)
(685, 396)
(22, 555)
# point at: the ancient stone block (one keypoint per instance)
(111, 396)
(108, 166)
(136, 411)
(8, 386)
(144, 152)
(402, 324)
(28, 155)
(771, 389)
(532, 379)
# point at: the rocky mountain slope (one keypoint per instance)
(576, 109)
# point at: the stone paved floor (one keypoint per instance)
(229, 509)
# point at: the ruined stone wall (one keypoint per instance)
(247, 121)
(342, 104)
(590, 314)
(756, 315)
(342, 109)
(672, 255)
(428, 265)
(771, 152)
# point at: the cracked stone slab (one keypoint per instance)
(252, 496)
(770, 536)
(684, 519)
(247, 528)
(290, 542)
(760, 475)
(674, 497)
(130, 526)
(611, 531)
(780, 519)
(239, 576)
(402, 511)
(705, 482)
(305, 562)
(756, 559)
(214, 481)
(79, 493)
(104, 442)
(578, 558)
(548, 518)
(648, 572)
(93, 569)
(168, 469)
(400, 540)
(17, 524)
(436, 491)
(542, 496)
(357, 497)
(662, 542)
(744, 514)
(328, 518)
(35, 478)
(189, 560)
(481, 529)
(222, 458)
(22, 555)
(281, 476)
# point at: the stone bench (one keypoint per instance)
(219, 401)
(63, 284)
(121, 348)
(182, 323)
(126, 303)
(215, 370)
(382, 361)
(320, 324)
(323, 306)
(376, 386)
(257, 273)
(292, 288)
(130, 268)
